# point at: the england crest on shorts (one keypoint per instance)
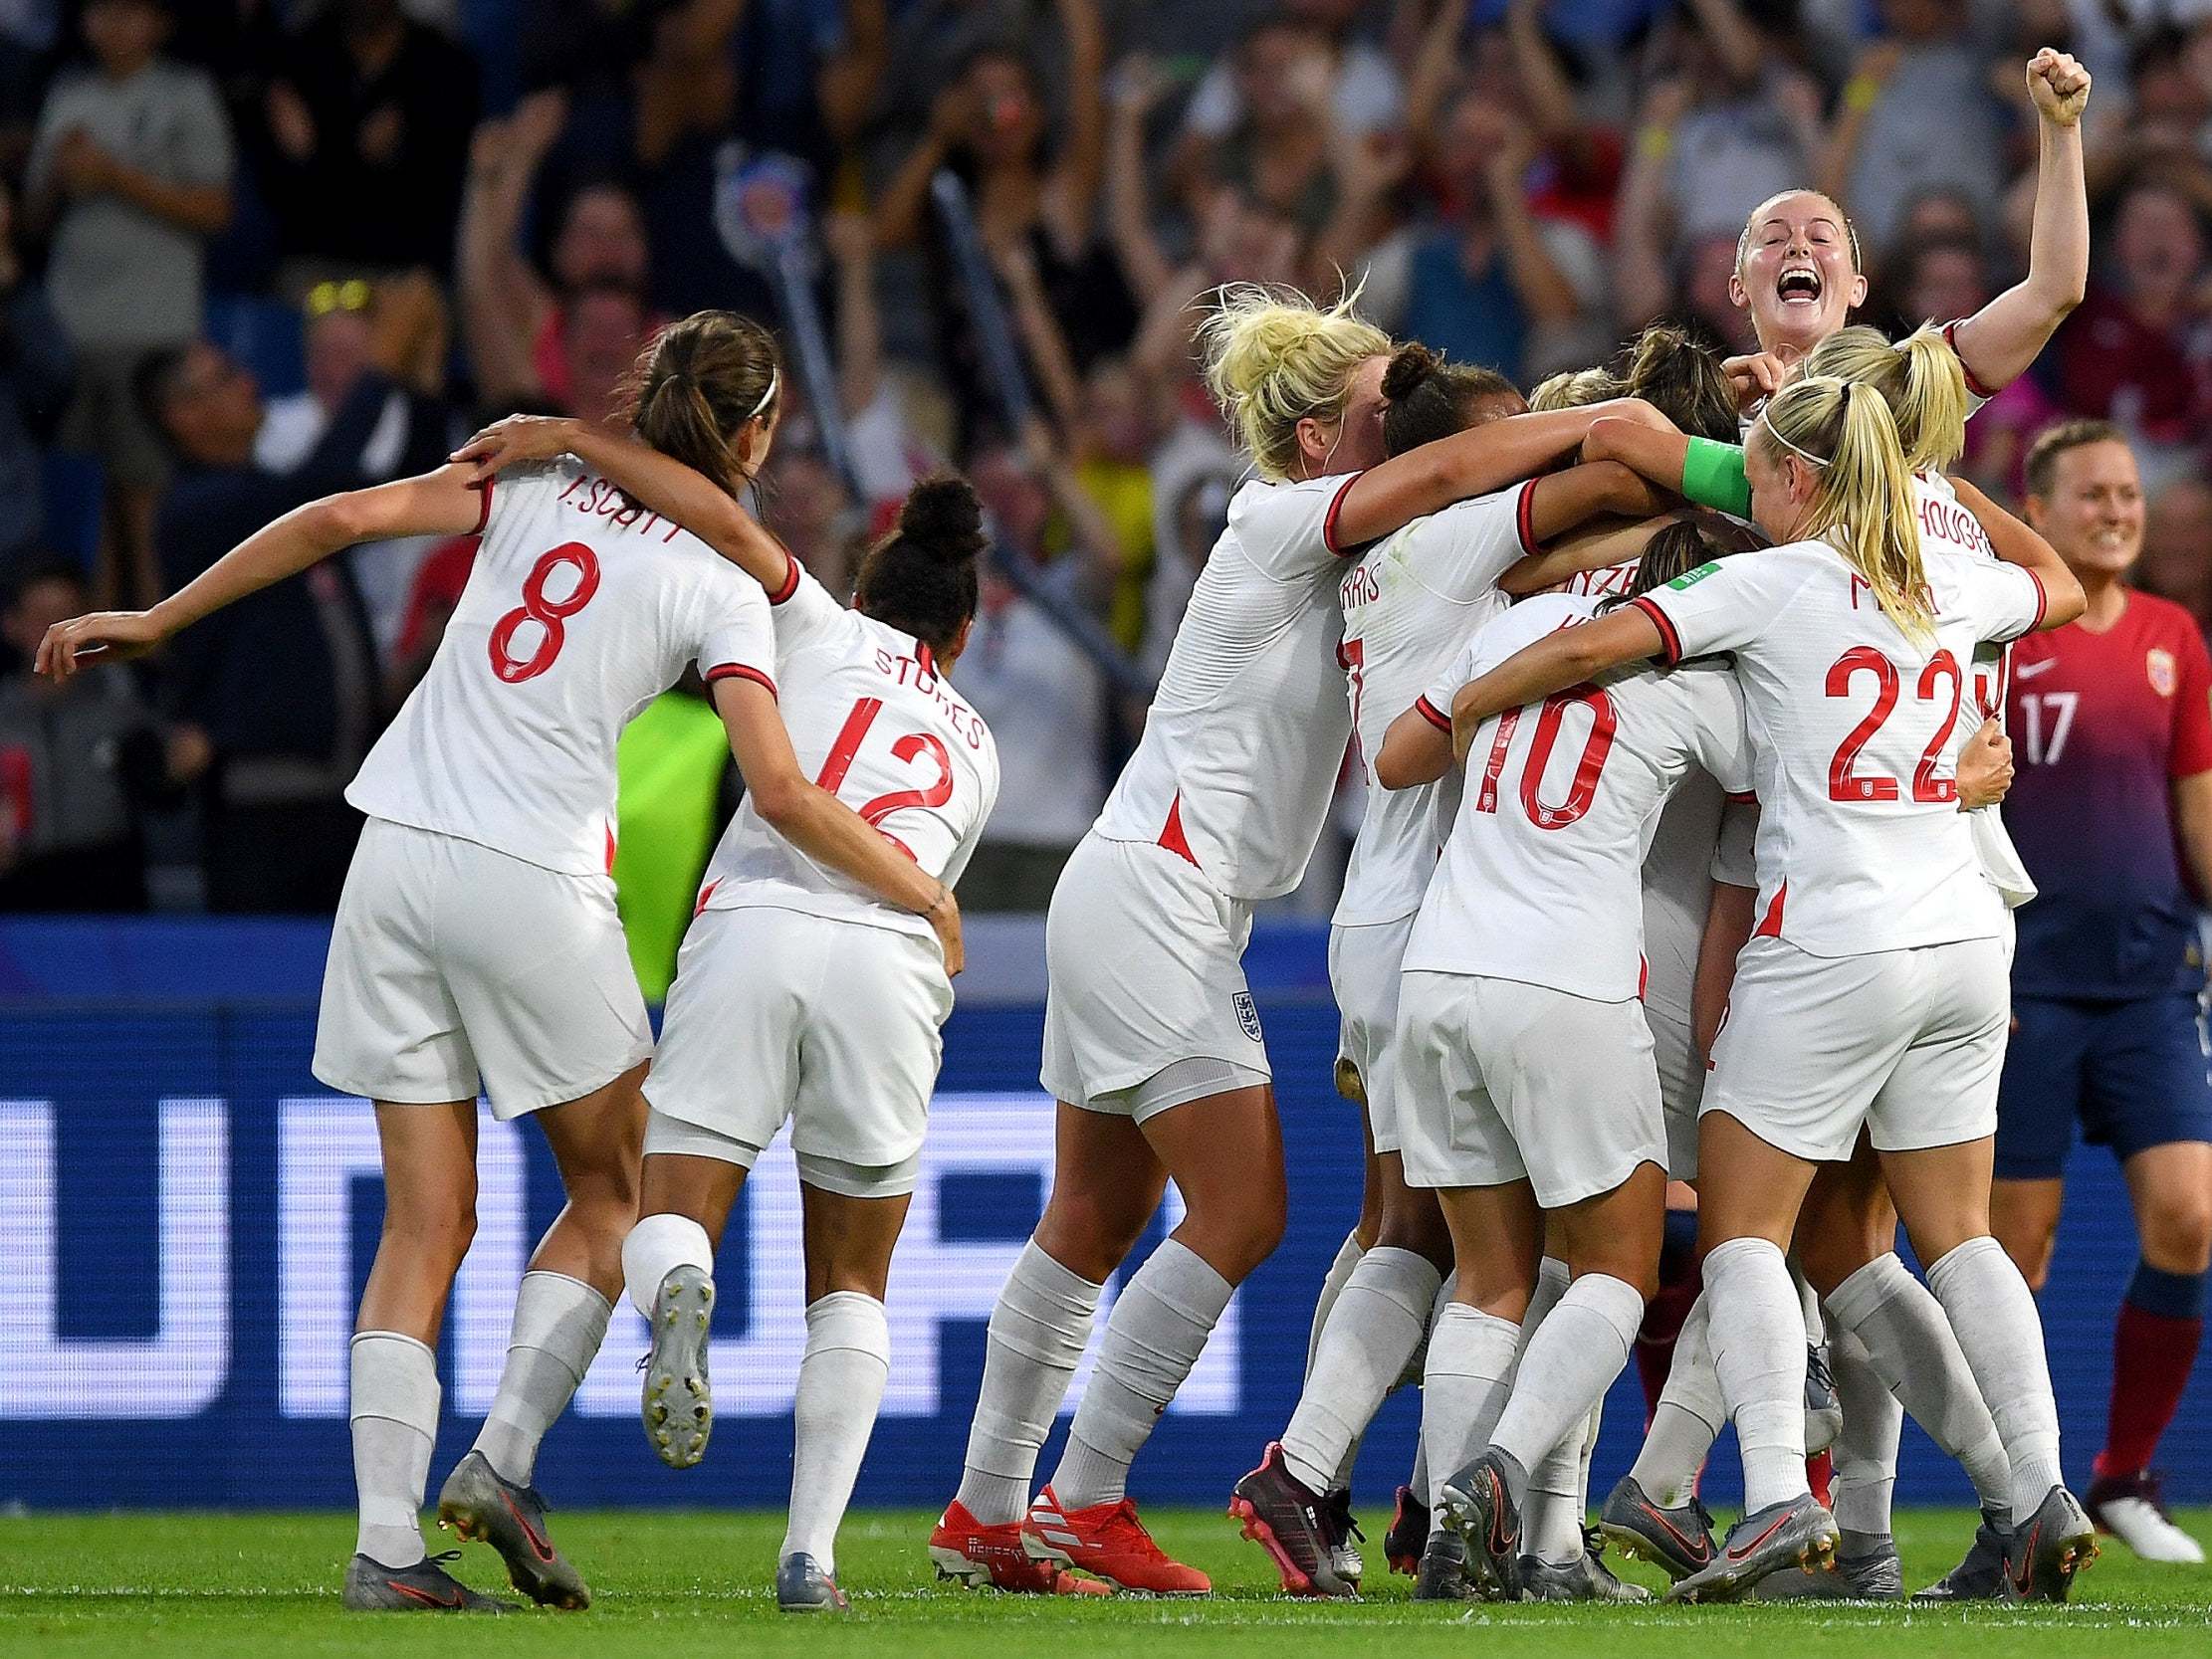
(1248, 1015)
(2158, 664)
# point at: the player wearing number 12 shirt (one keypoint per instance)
(477, 943)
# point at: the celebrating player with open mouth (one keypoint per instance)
(477, 941)
(1873, 992)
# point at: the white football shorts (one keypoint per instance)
(1906, 1043)
(1681, 1083)
(1503, 1080)
(776, 1016)
(454, 968)
(1363, 972)
(1144, 967)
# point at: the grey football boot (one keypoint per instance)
(678, 1406)
(1981, 1575)
(1477, 1504)
(2045, 1550)
(801, 1586)
(1679, 1538)
(1798, 1532)
(1585, 1578)
(1443, 1572)
(478, 1504)
(1876, 1576)
(425, 1588)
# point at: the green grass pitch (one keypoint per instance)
(685, 1584)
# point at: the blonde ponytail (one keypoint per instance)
(1275, 358)
(1919, 377)
(1574, 388)
(1863, 502)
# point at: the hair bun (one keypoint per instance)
(1410, 366)
(942, 518)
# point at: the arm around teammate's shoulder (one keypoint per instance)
(2016, 543)
(1564, 657)
(817, 822)
(1477, 462)
(1416, 749)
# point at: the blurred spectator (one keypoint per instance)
(808, 74)
(2178, 547)
(284, 683)
(130, 174)
(1916, 112)
(1277, 138)
(1359, 86)
(988, 126)
(35, 378)
(2139, 352)
(78, 759)
(394, 328)
(367, 136)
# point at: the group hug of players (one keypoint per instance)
(1719, 787)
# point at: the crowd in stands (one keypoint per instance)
(250, 253)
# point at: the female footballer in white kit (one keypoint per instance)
(1873, 993)
(1152, 1043)
(476, 941)
(800, 996)
(1409, 606)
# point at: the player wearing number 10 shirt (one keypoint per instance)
(477, 943)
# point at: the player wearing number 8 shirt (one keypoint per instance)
(476, 941)
(1872, 993)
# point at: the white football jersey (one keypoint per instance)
(1541, 878)
(875, 723)
(1409, 608)
(1241, 751)
(580, 609)
(1862, 846)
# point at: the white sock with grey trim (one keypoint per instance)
(394, 1415)
(1908, 1341)
(1572, 1360)
(1040, 1326)
(2001, 1335)
(559, 1323)
(1469, 1374)
(1155, 1334)
(656, 1247)
(1758, 1342)
(1689, 1418)
(1372, 1331)
(840, 1388)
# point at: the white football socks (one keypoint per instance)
(1040, 1326)
(2001, 1335)
(1469, 1374)
(1758, 1342)
(1571, 1359)
(1348, 1256)
(393, 1408)
(656, 1247)
(1909, 1342)
(1866, 1452)
(1373, 1330)
(840, 1387)
(1689, 1418)
(1155, 1334)
(558, 1325)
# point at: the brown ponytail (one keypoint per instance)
(698, 385)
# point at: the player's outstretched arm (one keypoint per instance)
(1563, 502)
(665, 484)
(1475, 462)
(820, 825)
(1416, 749)
(443, 503)
(2016, 543)
(1999, 341)
(1558, 660)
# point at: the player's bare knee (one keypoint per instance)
(1087, 1235)
(2177, 1232)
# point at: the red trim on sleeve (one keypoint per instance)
(1770, 925)
(1671, 643)
(705, 893)
(740, 671)
(1745, 797)
(924, 656)
(1328, 522)
(483, 509)
(1643, 974)
(1432, 715)
(2043, 601)
(1172, 837)
(1950, 338)
(610, 849)
(791, 578)
(1524, 517)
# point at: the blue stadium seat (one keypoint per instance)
(267, 335)
(72, 489)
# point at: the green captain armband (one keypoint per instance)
(1713, 476)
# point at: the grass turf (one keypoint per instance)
(687, 1582)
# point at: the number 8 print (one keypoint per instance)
(549, 614)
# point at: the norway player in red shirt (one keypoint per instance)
(2112, 809)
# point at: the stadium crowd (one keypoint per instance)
(250, 255)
